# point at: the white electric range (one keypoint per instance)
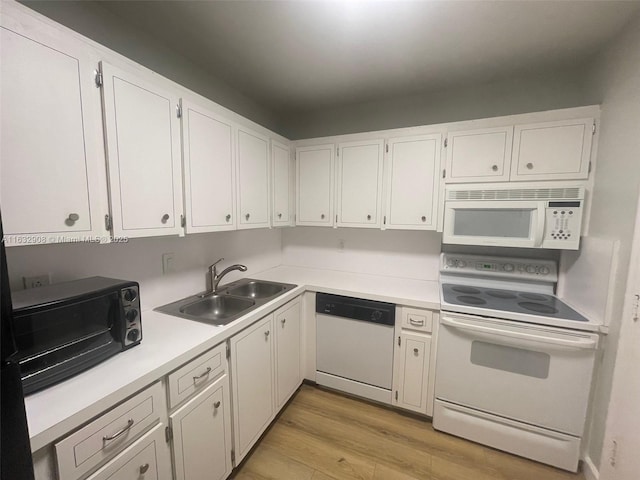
(514, 363)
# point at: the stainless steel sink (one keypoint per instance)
(230, 302)
(257, 289)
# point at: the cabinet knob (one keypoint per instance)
(216, 404)
(494, 168)
(144, 468)
(423, 218)
(228, 217)
(530, 166)
(165, 218)
(279, 215)
(416, 351)
(283, 321)
(72, 219)
(322, 216)
(266, 334)
(247, 216)
(368, 217)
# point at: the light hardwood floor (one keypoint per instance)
(322, 435)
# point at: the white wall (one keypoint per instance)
(141, 260)
(393, 253)
(616, 79)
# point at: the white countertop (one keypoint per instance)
(169, 342)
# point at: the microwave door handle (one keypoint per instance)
(541, 221)
(583, 344)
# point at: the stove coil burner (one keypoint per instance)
(534, 296)
(500, 294)
(466, 290)
(471, 300)
(538, 307)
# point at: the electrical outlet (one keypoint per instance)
(341, 245)
(36, 281)
(167, 263)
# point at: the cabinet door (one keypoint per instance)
(143, 151)
(479, 155)
(209, 170)
(253, 184)
(314, 185)
(552, 150)
(282, 185)
(51, 146)
(359, 182)
(412, 373)
(202, 435)
(288, 366)
(146, 459)
(413, 182)
(252, 371)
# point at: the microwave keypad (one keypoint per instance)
(561, 230)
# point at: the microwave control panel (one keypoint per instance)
(563, 225)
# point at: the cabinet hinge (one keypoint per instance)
(593, 128)
(387, 148)
(384, 220)
(233, 456)
(183, 221)
(179, 110)
(168, 433)
(446, 142)
(337, 152)
(228, 350)
(107, 222)
(99, 79)
(589, 170)
(396, 394)
(444, 173)
(398, 341)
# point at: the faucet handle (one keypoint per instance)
(213, 265)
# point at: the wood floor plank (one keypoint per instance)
(323, 435)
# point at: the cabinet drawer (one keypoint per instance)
(109, 434)
(416, 319)
(196, 374)
(146, 459)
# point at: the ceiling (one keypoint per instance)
(301, 55)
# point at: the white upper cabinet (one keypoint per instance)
(482, 155)
(552, 150)
(209, 170)
(51, 146)
(412, 178)
(253, 179)
(143, 151)
(314, 185)
(282, 170)
(359, 184)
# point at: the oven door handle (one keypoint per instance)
(583, 343)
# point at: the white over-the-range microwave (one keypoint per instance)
(524, 215)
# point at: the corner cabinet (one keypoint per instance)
(51, 144)
(288, 328)
(209, 170)
(315, 170)
(282, 185)
(412, 182)
(142, 131)
(359, 184)
(253, 179)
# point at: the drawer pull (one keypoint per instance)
(108, 438)
(204, 374)
(144, 468)
(416, 351)
(413, 321)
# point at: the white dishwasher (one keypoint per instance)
(354, 345)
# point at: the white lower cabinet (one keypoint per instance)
(202, 434)
(252, 370)
(146, 459)
(288, 352)
(414, 360)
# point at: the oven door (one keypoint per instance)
(533, 374)
(499, 223)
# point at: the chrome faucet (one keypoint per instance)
(215, 278)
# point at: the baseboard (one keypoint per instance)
(590, 471)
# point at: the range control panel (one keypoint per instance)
(506, 267)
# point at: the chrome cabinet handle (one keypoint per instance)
(71, 219)
(416, 322)
(415, 350)
(494, 168)
(144, 468)
(247, 216)
(216, 404)
(165, 218)
(423, 218)
(530, 166)
(206, 372)
(108, 438)
(228, 217)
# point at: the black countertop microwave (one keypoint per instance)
(65, 328)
